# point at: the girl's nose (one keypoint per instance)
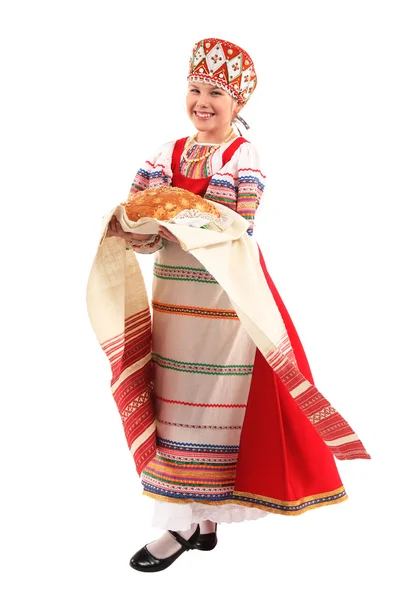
(202, 100)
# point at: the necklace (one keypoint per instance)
(211, 151)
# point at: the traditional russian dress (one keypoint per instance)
(216, 396)
(225, 421)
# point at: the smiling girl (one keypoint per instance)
(224, 419)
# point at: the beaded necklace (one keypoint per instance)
(211, 151)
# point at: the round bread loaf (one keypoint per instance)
(164, 203)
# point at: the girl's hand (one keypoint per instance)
(115, 229)
(165, 233)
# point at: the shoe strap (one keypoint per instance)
(189, 544)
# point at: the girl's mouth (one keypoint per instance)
(203, 115)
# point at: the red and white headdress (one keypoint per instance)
(225, 65)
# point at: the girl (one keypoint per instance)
(225, 420)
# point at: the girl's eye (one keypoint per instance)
(194, 90)
(216, 93)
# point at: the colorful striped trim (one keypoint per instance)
(268, 504)
(176, 273)
(167, 495)
(223, 183)
(299, 506)
(192, 481)
(151, 175)
(194, 311)
(242, 195)
(209, 462)
(251, 179)
(201, 368)
(200, 169)
(146, 179)
(191, 469)
(228, 202)
(192, 447)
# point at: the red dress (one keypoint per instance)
(283, 465)
(263, 448)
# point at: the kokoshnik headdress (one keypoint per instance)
(225, 65)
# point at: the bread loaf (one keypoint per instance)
(164, 203)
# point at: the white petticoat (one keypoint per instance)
(179, 517)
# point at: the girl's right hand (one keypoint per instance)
(115, 229)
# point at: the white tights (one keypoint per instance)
(166, 545)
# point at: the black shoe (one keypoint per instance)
(207, 541)
(143, 560)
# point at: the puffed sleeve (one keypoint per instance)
(156, 171)
(240, 183)
(250, 184)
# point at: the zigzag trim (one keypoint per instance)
(201, 405)
(254, 171)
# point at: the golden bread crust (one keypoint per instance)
(164, 203)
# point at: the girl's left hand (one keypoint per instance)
(167, 235)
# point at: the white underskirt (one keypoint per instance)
(179, 517)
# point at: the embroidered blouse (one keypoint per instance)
(239, 185)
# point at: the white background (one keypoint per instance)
(89, 90)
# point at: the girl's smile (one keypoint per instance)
(203, 115)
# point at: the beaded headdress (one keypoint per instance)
(225, 65)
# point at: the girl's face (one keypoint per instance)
(211, 111)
